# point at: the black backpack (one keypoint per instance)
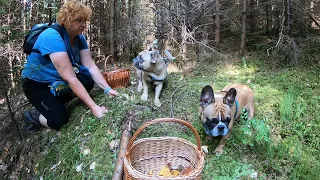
(35, 31)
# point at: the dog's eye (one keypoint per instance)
(213, 120)
(228, 119)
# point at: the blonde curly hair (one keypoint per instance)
(71, 11)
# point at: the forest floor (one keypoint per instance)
(285, 127)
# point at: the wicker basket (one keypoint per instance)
(119, 77)
(154, 153)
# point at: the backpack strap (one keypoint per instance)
(53, 26)
(58, 28)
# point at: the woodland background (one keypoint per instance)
(285, 32)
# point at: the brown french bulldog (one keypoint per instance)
(219, 111)
(151, 70)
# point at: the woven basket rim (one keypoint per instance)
(137, 174)
(138, 141)
(116, 71)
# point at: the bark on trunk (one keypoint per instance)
(112, 7)
(243, 31)
(217, 22)
(268, 17)
(184, 43)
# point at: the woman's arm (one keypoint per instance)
(97, 77)
(63, 65)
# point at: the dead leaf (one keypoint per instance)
(114, 144)
(54, 167)
(93, 166)
(79, 167)
(187, 170)
(86, 151)
(125, 96)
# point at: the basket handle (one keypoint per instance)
(107, 59)
(159, 120)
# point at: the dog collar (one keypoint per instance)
(237, 107)
(156, 79)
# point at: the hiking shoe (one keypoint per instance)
(31, 128)
(32, 116)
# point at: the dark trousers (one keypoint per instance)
(50, 106)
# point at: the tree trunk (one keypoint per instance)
(276, 13)
(243, 31)
(24, 17)
(111, 27)
(268, 16)
(184, 43)
(217, 22)
(49, 12)
(252, 16)
(160, 24)
(89, 39)
(288, 19)
(310, 5)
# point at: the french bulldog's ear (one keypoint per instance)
(230, 97)
(207, 96)
(154, 56)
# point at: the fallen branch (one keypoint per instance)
(126, 136)
(118, 170)
(12, 117)
(171, 103)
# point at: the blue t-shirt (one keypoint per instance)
(39, 66)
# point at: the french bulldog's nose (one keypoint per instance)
(220, 127)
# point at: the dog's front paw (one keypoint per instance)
(218, 151)
(144, 97)
(157, 103)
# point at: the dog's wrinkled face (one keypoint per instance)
(147, 58)
(217, 110)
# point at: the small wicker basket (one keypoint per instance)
(152, 154)
(119, 77)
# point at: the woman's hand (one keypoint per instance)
(99, 111)
(113, 92)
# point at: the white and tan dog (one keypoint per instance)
(151, 70)
(219, 111)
